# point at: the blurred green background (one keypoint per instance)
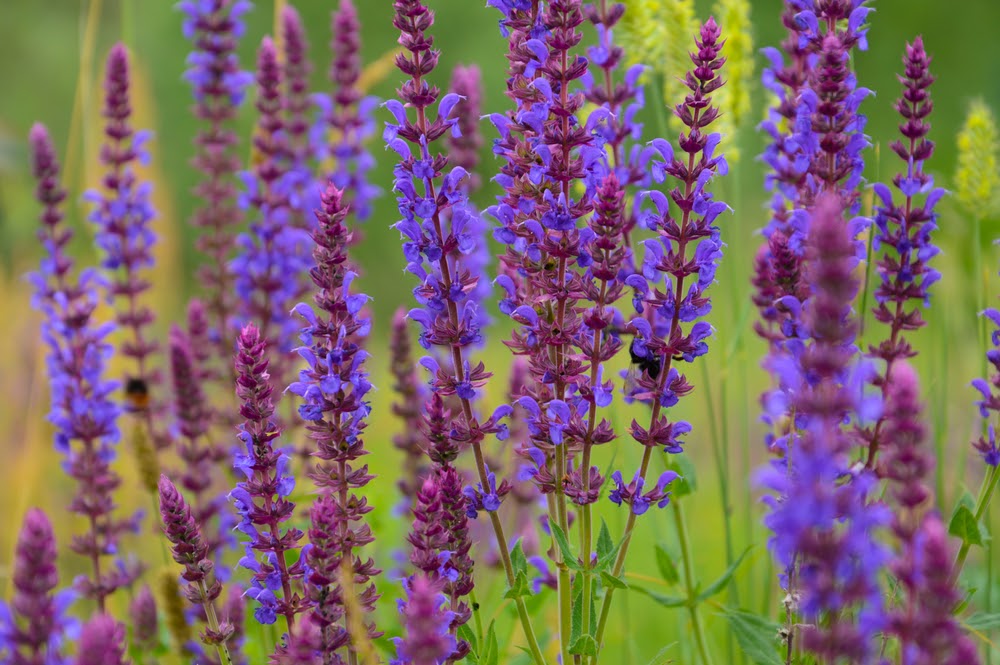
(49, 66)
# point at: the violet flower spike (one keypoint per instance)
(989, 403)
(274, 249)
(346, 121)
(35, 624)
(262, 498)
(145, 620)
(332, 389)
(301, 185)
(83, 413)
(215, 28)
(825, 530)
(123, 214)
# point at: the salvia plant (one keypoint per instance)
(541, 381)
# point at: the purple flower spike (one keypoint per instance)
(193, 420)
(410, 394)
(102, 642)
(467, 82)
(333, 390)
(824, 518)
(34, 625)
(123, 214)
(215, 28)
(297, 103)
(324, 589)
(274, 250)
(262, 499)
(903, 231)
(441, 542)
(83, 413)
(924, 622)
(926, 626)
(347, 119)
(145, 621)
(427, 640)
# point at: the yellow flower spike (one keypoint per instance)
(680, 27)
(733, 17)
(173, 607)
(733, 98)
(977, 181)
(145, 456)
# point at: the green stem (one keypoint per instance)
(475, 615)
(563, 583)
(688, 564)
(985, 494)
(213, 625)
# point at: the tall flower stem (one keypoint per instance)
(687, 562)
(213, 624)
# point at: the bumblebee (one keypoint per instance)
(649, 363)
(136, 395)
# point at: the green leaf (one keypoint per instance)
(491, 648)
(665, 562)
(610, 581)
(964, 526)
(662, 599)
(518, 560)
(605, 544)
(687, 483)
(983, 622)
(465, 633)
(576, 611)
(719, 584)
(520, 588)
(585, 645)
(564, 547)
(755, 635)
(661, 656)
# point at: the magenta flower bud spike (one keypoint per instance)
(35, 626)
(190, 550)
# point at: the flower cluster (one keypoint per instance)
(332, 389)
(262, 498)
(84, 415)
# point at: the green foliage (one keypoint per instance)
(755, 636)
